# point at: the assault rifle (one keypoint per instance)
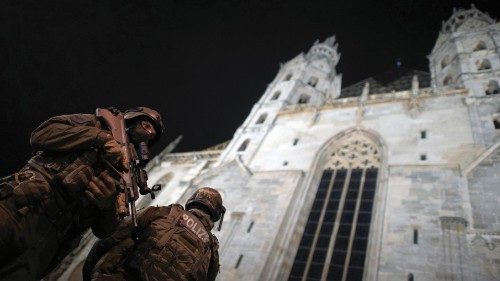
(135, 179)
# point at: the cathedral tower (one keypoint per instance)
(308, 79)
(386, 179)
(466, 53)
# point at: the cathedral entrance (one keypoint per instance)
(335, 239)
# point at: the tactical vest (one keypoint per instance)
(36, 188)
(176, 247)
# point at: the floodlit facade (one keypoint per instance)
(393, 178)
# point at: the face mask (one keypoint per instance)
(140, 132)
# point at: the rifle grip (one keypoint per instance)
(121, 205)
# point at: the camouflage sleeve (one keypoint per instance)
(68, 132)
(214, 267)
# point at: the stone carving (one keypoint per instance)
(414, 105)
(360, 112)
(357, 151)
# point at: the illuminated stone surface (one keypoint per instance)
(304, 121)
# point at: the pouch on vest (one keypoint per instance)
(28, 187)
(6, 189)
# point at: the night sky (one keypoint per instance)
(201, 64)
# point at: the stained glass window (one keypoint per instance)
(335, 238)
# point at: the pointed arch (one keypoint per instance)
(447, 80)
(276, 95)
(480, 46)
(483, 65)
(313, 81)
(347, 179)
(244, 145)
(493, 88)
(445, 61)
(304, 99)
(262, 118)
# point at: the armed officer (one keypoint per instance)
(64, 189)
(169, 243)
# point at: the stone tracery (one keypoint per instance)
(356, 151)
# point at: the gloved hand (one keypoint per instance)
(102, 190)
(76, 177)
(113, 153)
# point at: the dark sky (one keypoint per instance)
(201, 64)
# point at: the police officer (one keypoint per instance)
(64, 189)
(170, 243)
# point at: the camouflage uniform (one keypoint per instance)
(170, 243)
(42, 217)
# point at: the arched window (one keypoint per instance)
(276, 95)
(484, 65)
(312, 81)
(261, 119)
(410, 277)
(447, 80)
(303, 99)
(493, 88)
(480, 46)
(288, 77)
(244, 145)
(351, 172)
(445, 61)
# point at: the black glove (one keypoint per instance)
(102, 191)
(76, 177)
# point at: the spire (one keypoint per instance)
(460, 16)
(327, 48)
(365, 92)
(414, 85)
(462, 20)
(330, 41)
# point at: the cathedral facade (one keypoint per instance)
(393, 178)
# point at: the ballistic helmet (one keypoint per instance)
(148, 114)
(211, 200)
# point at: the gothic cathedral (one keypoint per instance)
(393, 178)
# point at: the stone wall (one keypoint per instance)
(421, 199)
(485, 197)
(256, 207)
